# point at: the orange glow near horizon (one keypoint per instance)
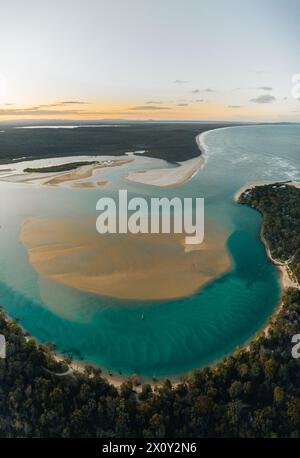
(70, 110)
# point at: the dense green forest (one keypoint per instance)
(253, 393)
(59, 168)
(169, 141)
(280, 206)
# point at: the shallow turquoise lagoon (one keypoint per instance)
(176, 335)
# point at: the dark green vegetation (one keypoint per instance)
(252, 393)
(59, 168)
(170, 141)
(280, 206)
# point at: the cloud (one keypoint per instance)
(148, 107)
(235, 106)
(207, 90)
(73, 108)
(44, 109)
(34, 111)
(180, 82)
(265, 88)
(265, 98)
(262, 72)
(73, 102)
(40, 113)
(200, 100)
(182, 104)
(154, 101)
(260, 88)
(62, 103)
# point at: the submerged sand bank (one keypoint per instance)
(88, 184)
(168, 177)
(143, 266)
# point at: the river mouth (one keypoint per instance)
(185, 325)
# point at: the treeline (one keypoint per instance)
(279, 204)
(59, 168)
(253, 393)
(170, 141)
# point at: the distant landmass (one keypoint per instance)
(171, 141)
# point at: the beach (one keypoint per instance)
(118, 379)
(286, 277)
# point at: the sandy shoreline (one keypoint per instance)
(114, 379)
(286, 276)
(175, 176)
(117, 380)
(79, 177)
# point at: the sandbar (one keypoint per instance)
(83, 172)
(168, 177)
(127, 266)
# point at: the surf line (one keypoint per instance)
(161, 216)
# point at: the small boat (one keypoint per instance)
(142, 317)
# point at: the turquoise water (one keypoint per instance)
(176, 335)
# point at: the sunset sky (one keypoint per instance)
(142, 59)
